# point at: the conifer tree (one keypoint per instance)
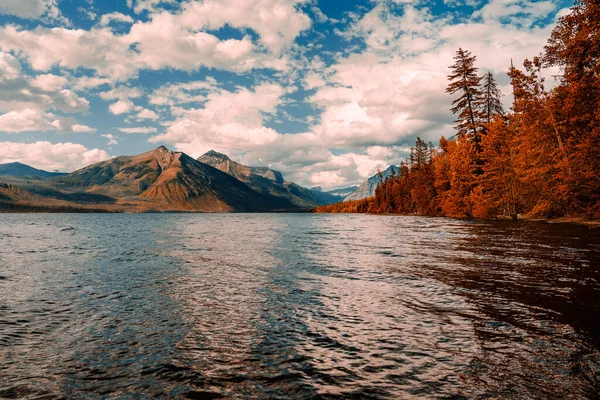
(465, 82)
(574, 46)
(491, 93)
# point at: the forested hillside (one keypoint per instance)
(539, 158)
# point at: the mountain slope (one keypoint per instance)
(167, 180)
(19, 170)
(343, 192)
(332, 196)
(263, 180)
(367, 189)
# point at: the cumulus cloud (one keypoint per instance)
(65, 157)
(144, 113)
(164, 43)
(277, 22)
(121, 93)
(138, 129)
(97, 49)
(49, 82)
(90, 82)
(32, 9)
(112, 139)
(121, 107)
(183, 93)
(231, 120)
(35, 120)
(43, 92)
(147, 5)
(166, 40)
(115, 16)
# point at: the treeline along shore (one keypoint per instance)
(539, 159)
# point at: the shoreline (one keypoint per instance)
(560, 220)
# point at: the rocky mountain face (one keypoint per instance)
(158, 180)
(169, 179)
(367, 189)
(264, 180)
(16, 169)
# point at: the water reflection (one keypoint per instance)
(296, 306)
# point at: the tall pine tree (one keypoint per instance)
(465, 82)
(491, 93)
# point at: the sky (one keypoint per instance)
(325, 91)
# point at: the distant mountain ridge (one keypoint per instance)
(264, 180)
(158, 180)
(367, 189)
(20, 170)
(331, 196)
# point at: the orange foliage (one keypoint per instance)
(541, 159)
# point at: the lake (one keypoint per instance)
(296, 306)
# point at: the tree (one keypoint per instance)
(540, 158)
(574, 46)
(491, 93)
(499, 186)
(465, 82)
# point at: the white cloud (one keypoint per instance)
(37, 94)
(48, 156)
(147, 5)
(144, 113)
(96, 49)
(32, 9)
(121, 93)
(164, 43)
(229, 120)
(112, 140)
(278, 22)
(517, 12)
(90, 82)
(314, 80)
(35, 120)
(138, 129)
(115, 16)
(121, 107)
(183, 93)
(10, 67)
(49, 82)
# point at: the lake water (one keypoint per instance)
(296, 306)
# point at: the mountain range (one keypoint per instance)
(17, 169)
(163, 180)
(158, 180)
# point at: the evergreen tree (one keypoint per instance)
(465, 82)
(574, 46)
(493, 105)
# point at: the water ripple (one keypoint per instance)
(296, 306)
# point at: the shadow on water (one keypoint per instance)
(296, 306)
(537, 288)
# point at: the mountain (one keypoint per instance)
(168, 180)
(18, 170)
(343, 192)
(266, 181)
(331, 196)
(367, 189)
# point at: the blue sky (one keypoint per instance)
(325, 91)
